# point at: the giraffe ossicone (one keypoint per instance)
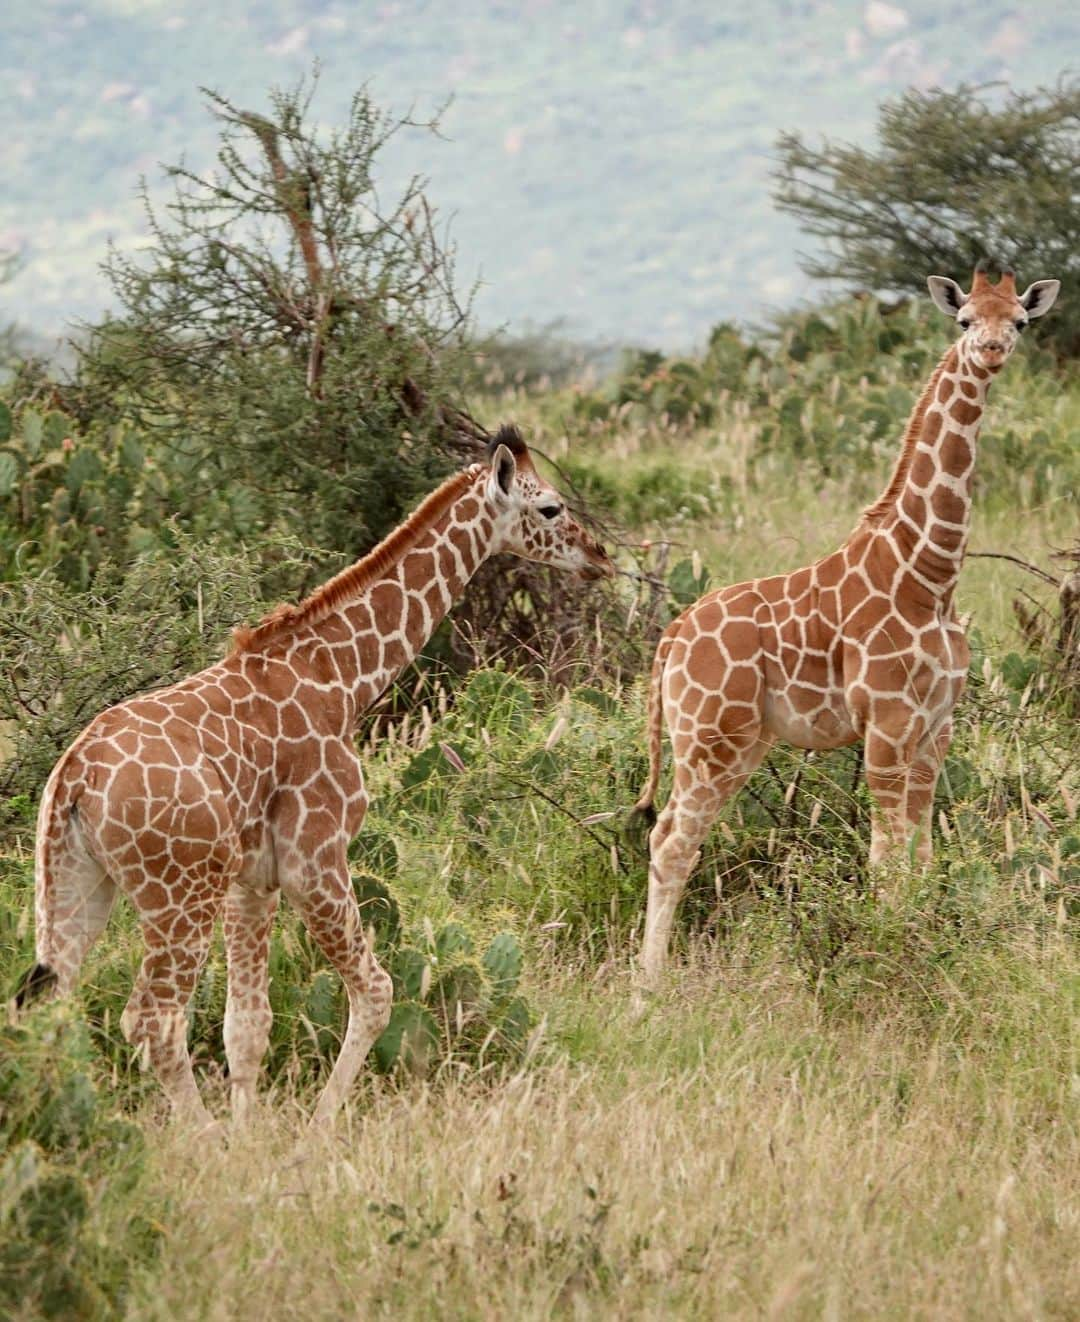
(217, 794)
(863, 644)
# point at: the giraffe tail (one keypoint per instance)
(40, 978)
(34, 982)
(654, 724)
(53, 820)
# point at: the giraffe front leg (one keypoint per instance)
(249, 917)
(921, 786)
(326, 903)
(887, 771)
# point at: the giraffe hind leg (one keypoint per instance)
(248, 920)
(177, 903)
(155, 1018)
(327, 904)
(703, 784)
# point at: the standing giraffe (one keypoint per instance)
(863, 644)
(220, 792)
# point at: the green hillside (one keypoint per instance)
(606, 164)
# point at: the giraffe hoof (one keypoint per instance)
(641, 1003)
(204, 1130)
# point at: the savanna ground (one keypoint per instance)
(836, 1106)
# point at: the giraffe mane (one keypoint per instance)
(511, 437)
(875, 512)
(287, 618)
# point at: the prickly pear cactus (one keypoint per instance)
(502, 963)
(451, 1006)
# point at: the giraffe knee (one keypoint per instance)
(380, 997)
(247, 1032)
(673, 860)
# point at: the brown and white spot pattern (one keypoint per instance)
(863, 644)
(213, 796)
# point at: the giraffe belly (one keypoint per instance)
(809, 719)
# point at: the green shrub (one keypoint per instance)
(829, 390)
(64, 1157)
(67, 654)
(294, 375)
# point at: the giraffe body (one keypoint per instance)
(214, 796)
(864, 644)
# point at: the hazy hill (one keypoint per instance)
(607, 162)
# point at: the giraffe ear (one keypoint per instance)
(947, 294)
(503, 470)
(1039, 297)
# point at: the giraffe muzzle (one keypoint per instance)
(992, 352)
(598, 565)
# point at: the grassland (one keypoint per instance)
(835, 1107)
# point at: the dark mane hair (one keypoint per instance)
(511, 437)
(353, 580)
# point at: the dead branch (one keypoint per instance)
(1015, 559)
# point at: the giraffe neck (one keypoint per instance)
(928, 520)
(373, 635)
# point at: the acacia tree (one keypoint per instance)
(295, 341)
(290, 349)
(956, 177)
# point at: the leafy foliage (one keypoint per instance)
(65, 655)
(827, 390)
(287, 337)
(62, 1155)
(957, 177)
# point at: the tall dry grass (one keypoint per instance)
(732, 1153)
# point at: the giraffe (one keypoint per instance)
(863, 644)
(219, 793)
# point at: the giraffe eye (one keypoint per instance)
(964, 323)
(551, 511)
(1020, 324)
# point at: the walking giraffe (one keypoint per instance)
(242, 781)
(863, 644)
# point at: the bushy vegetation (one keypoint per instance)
(286, 360)
(824, 392)
(293, 339)
(68, 1160)
(149, 619)
(957, 177)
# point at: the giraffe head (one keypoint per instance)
(531, 518)
(992, 316)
